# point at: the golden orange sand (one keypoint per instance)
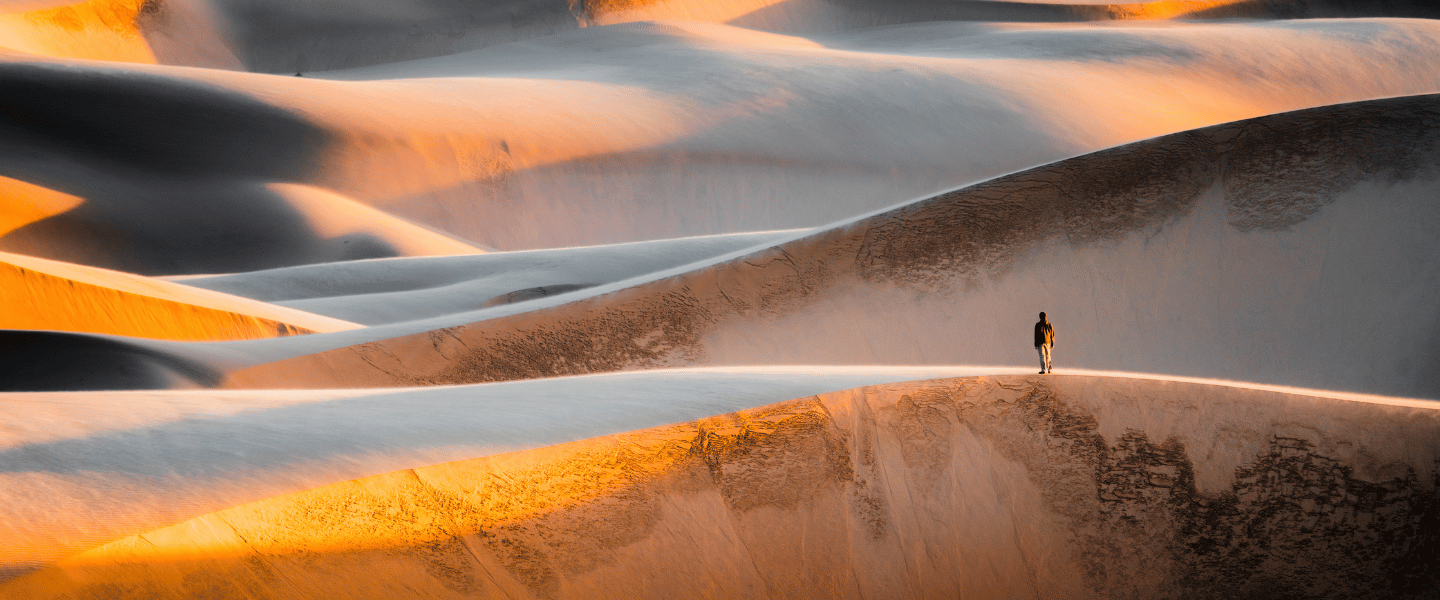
(474, 499)
(526, 524)
(98, 30)
(26, 203)
(52, 295)
(1167, 9)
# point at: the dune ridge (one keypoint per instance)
(78, 470)
(1022, 486)
(758, 131)
(1218, 194)
(46, 294)
(544, 299)
(277, 37)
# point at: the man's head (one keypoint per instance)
(1042, 317)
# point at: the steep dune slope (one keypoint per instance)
(81, 469)
(1009, 486)
(1294, 249)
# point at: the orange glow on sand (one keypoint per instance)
(1167, 9)
(27, 203)
(475, 498)
(52, 295)
(98, 30)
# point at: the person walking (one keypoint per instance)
(1044, 342)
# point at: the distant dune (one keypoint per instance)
(275, 36)
(381, 291)
(1012, 486)
(626, 133)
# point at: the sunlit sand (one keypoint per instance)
(718, 299)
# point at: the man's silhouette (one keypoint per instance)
(1044, 341)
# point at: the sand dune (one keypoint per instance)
(1279, 228)
(79, 470)
(381, 291)
(1010, 486)
(685, 129)
(593, 295)
(285, 37)
(169, 176)
(712, 129)
(46, 294)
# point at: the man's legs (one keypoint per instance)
(1048, 351)
(1044, 358)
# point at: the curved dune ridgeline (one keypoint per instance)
(81, 469)
(93, 363)
(153, 174)
(553, 299)
(685, 129)
(43, 294)
(1292, 249)
(1006, 486)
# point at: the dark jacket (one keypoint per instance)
(1044, 334)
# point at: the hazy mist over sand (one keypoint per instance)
(722, 299)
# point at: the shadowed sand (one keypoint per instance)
(686, 128)
(503, 224)
(1279, 226)
(1063, 486)
(285, 37)
(381, 291)
(162, 175)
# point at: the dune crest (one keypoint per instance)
(51, 295)
(1103, 227)
(1013, 486)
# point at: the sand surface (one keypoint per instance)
(719, 299)
(1065, 486)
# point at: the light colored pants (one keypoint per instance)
(1044, 358)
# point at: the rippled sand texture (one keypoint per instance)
(1018, 486)
(725, 299)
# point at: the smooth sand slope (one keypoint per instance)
(46, 294)
(1295, 249)
(169, 176)
(81, 469)
(624, 133)
(693, 128)
(380, 291)
(998, 487)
